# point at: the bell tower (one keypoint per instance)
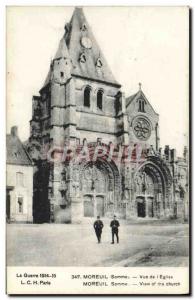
(81, 102)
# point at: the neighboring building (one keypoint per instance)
(81, 105)
(19, 185)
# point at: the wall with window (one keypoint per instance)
(141, 105)
(94, 97)
(87, 97)
(139, 108)
(95, 105)
(21, 179)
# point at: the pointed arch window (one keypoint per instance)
(82, 58)
(141, 107)
(87, 94)
(99, 63)
(99, 99)
(84, 27)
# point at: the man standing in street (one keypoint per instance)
(98, 225)
(115, 225)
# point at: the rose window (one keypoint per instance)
(141, 128)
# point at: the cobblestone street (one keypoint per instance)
(144, 244)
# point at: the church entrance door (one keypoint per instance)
(93, 205)
(99, 206)
(88, 205)
(94, 188)
(150, 202)
(141, 207)
(145, 190)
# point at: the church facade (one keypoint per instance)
(96, 152)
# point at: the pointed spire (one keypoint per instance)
(62, 50)
(78, 10)
(78, 39)
(140, 86)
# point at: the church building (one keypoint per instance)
(96, 152)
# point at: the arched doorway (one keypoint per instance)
(150, 188)
(98, 189)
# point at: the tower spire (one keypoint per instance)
(79, 39)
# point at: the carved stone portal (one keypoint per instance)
(97, 186)
(149, 188)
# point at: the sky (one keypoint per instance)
(141, 44)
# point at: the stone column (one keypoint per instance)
(157, 136)
(125, 120)
(158, 203)
(75, 200)
(146, 206)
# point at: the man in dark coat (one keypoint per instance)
(98, 225)
(115, 225)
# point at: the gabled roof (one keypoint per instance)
(130, 99)
(138, 95)
(15, 151)
(71, 44)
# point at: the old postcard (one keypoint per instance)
(97, 193)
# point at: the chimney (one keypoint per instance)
(14, 131)
(167, 152)
(173, 155)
